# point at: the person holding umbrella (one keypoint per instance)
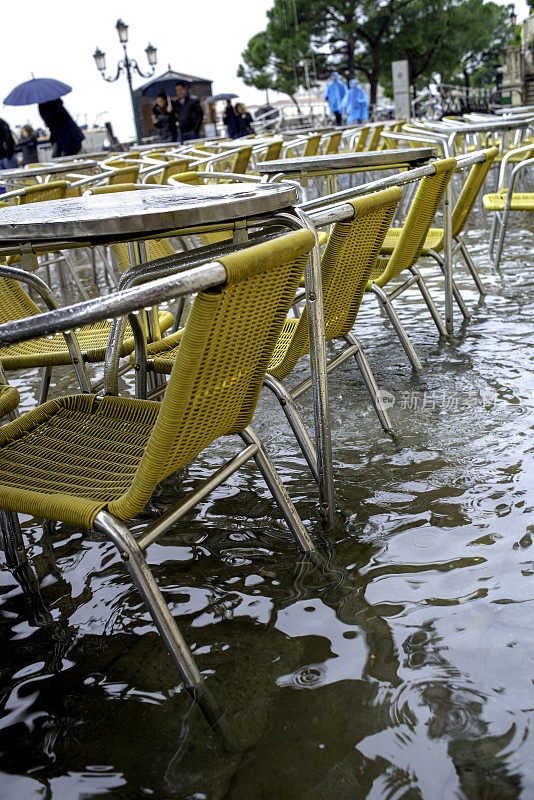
(163, 119)
(230, 120)
(187, 112)
(65, 135)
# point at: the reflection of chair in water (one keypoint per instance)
(94, 462)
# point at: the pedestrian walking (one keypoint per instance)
(335, 94)
(230, 120)
(188, 113)
(163, 119)
(356, 104)
(244, 121)
(65, 135)
(27, 145)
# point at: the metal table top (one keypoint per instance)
(478, 127)
(130, 215)
(45, 169)
(347, 161)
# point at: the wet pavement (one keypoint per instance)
(402, 669)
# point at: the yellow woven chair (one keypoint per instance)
(507, 199)
(375, 138)
(94, 462)
(331, 144)
(160, 175)
(39, 192)
(9, 399)
(127, 174)
(350, 254)
(362, 138)
(274, 150)
(240, 160)
(434, 241)
(407, 250)
(312, 145)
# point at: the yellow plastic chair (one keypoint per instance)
(407, 251)
(94, 462)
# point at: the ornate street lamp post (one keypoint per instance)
(126, 65)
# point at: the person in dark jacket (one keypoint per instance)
(27, 145)
(244, 120)
(188, 113)
(230, 120)
(163, 119)
(65, 135)
(7, 147)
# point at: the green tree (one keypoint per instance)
(275, 59)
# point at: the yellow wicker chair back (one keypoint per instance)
(128, 174)
(362, 138)
(173, 167)
(312, 145)
(415, 229)
(350, 254)
(332, 145)
(375, 137)
(273, 151)
(37, 193)
(224, 351)
(471, 189)
(240, 160)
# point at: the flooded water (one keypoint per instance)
(401, 670)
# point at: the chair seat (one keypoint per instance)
(432, 240)
(68, 458)
(9, 399)
(521, 201)
(53, 351)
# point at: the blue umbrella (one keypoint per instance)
(163, 85)
(38, 90)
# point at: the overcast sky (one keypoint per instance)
(57, 39)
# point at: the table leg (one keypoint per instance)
(321, 408)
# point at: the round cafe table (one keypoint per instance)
(21, 173)
(143, 214)
(346, 162)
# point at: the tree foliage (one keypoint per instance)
(455, 39)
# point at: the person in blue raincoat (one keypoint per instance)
(335, 93)
(356, 104)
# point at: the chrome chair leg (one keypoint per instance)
(295, 421)
(278, 491)
(370, 382)
(45, 384)
(472, 269)
(147, 587)
(455, 291)
(397, 326)
(17, 563)
(434, 313)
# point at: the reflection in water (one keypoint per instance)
(396, 667)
